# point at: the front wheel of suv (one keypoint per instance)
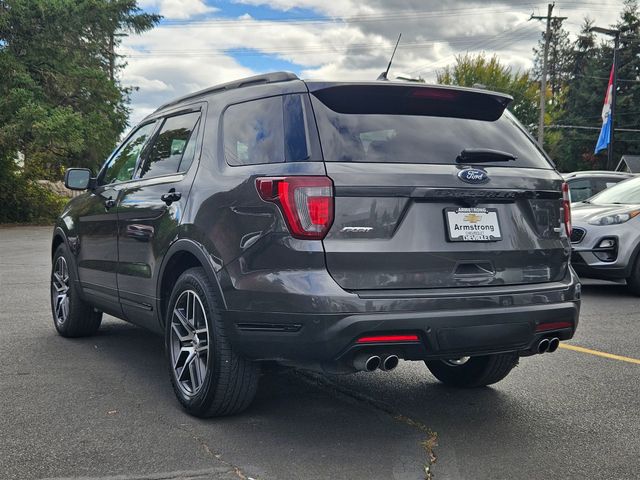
(473, 372)
(633, 281)
(72, 316)
(208, 377)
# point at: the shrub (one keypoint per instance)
(24, 201)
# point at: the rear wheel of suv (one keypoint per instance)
(72, 316)
(472, 372)
(208, 377)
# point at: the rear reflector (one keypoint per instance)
(545, 327)
(388, 338)
(305, 202)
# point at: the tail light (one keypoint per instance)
(305, 202)
(566, 208)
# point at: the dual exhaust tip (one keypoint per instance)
(369, 363)
(548, 345)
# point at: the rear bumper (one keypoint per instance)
(470, 323)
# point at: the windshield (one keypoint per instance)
(420, 136)
(627, 192)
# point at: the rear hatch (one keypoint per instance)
(435, 187)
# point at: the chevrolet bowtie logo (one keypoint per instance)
(472, 218)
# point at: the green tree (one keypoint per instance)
(60, 101)
(628, 99)
(590, 63)
(558, 60)
(580, 105)
(470, 70)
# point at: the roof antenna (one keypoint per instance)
(383, 75)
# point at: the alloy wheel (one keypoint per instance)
(189, 343)
(60, 291)
(456, 362)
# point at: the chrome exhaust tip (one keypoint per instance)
(366, 363)
(389, 363)
(543, 346)
(554, 343)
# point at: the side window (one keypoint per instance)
(174, 144)
(123, 164)
(269, 130)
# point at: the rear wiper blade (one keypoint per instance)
(484, 155)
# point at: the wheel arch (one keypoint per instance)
(633, 260)
(181, 256)
(58, 239)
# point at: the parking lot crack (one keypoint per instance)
(430, 441)
(217, 456)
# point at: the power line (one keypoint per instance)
(309, 48)
(236, 22)
(482, 45)
(582, 127)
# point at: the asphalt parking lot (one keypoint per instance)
(103, 406)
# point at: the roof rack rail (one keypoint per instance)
(265, 78)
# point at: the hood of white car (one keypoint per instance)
(583, 212)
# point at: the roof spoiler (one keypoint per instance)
(410, 99)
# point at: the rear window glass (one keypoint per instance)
(581, 190)
(411, 130)
(268, 130)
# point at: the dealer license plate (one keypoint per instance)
(473, 224)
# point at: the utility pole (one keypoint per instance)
(545, 60)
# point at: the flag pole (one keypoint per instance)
(616, 35)
(614, 94)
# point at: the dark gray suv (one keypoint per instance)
(333, 226)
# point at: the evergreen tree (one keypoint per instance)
(628, 99)
(60, 102)
(581, 104)
(558, 60)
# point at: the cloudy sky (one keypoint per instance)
(200, 43)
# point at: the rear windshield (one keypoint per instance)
(377, 131)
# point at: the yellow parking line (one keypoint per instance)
(597, 353)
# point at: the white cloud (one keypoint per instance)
(172, 60)
(178, 9)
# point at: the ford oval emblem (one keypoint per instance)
(473, 175)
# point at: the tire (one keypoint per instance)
(475, 372)
(194, 341)
(72, 316)
(633, 281)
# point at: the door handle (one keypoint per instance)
(109, 203)
(170, 197)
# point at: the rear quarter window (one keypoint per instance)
(268, 130)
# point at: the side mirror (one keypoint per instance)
(78, 179)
